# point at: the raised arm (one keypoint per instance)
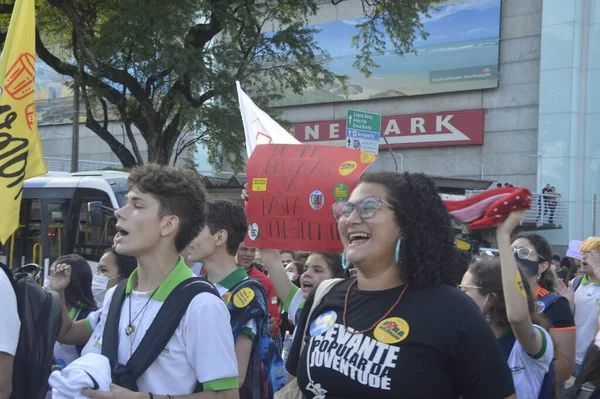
(71, 333)
(517, 309)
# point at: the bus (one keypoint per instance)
(64, 213)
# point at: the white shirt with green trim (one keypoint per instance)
(587, 303)
(528, 371)
(201, 348)
(293, 304)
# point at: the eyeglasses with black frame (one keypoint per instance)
(366, 208)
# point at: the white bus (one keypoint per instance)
(63, 213)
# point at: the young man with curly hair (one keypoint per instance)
(165, 210)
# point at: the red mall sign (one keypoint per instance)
(438, 129)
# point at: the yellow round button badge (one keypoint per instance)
(367, 157)
(347, 167)
(226, 298)
(391, 331)
(243, 297)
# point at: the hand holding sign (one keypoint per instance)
(291, 189)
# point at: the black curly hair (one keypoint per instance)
(428, 256)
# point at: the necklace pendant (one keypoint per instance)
(129, 329)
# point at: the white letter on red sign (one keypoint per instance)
(310, 132)
(417, 123)
(445, 122)
(334, 130)
(392, 128)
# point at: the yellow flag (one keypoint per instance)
(20, 148)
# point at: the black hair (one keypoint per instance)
(125, 264)
(556, 258)
(499, 185)
(302, 257)
(334, 262)
(78, 293)
(487, 274)
(179, 192)
(428, 256)
(225, 215)
(544, 250)
(287, 251)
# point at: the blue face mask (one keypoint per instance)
(530, 267)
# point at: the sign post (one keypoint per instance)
(363, 130)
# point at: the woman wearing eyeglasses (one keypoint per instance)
(534, 254)
(400, 328)
(497, 287)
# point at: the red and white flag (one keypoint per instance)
(259, 127)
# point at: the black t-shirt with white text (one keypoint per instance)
(434, 344)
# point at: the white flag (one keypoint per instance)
(259, 127)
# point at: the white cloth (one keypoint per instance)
(259, 127)
(587, 304)
(9, 317)
(68, 383)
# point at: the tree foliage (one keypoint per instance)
(169, 68)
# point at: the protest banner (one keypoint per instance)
(291, 192)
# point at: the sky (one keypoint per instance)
(469, 20)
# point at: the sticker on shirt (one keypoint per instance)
(323, 323)
(391, 331)
(317, 200)
(253, 231)
(539, 307)
(519, 283)
(226, 298)
(243, 297)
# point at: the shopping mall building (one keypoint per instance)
(525, 112)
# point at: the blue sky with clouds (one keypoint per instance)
(469, 20)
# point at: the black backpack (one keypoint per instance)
(156, 338)
(40, 313)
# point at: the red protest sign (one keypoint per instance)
(292, 188)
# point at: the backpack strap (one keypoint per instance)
(165, 323)
(110, 336)
(547, 388)
(506, 344)
(577, 282)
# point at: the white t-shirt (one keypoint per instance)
(528, 371)
(66, 354)
(201, 348)
(9, 317)
(587, 303)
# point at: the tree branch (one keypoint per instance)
(124, 155)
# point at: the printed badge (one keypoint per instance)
(367, 157)
(253, 231)
(391, 331)
(539, 307)
(520, 287)
(317, 200)
(347, 167)
(323, 323)
(259, 184)
(341, 192)
(226, 298)
(243, 297)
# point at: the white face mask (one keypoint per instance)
(100, 286)
(290, 275)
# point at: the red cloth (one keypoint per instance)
(271, 295)
(489, 208)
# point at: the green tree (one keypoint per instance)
(169, 67)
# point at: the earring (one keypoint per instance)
(398, 245)
(345, 265)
